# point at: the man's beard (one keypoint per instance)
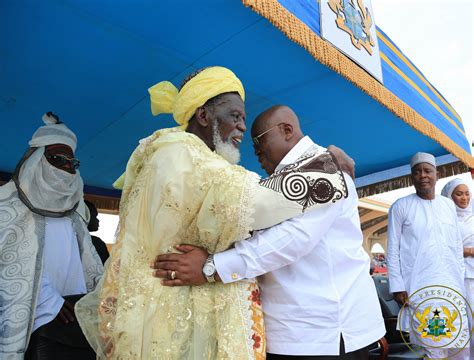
(225, 148)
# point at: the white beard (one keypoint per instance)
(225, 148)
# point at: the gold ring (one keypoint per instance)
(173, 275)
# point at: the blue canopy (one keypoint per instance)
(91, 62)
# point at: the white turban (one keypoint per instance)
(44, 188)
(421, 157)
(54, 132)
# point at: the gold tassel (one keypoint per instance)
(331, 57)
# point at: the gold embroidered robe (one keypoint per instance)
(176, 191)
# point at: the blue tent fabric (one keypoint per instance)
(400, 75)
(308, 13)
(91, 62)
(439, 114)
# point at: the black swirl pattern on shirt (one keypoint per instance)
(297, 181)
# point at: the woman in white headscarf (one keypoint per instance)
(458, 191)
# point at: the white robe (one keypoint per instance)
(63, 273)
(424, 250)
(466, 224)
(22, 239)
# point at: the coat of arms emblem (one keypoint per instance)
(355, 19)
(440, 325)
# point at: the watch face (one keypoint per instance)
(209, 270)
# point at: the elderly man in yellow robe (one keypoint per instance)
(181, 185)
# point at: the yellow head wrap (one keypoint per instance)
(166, 99)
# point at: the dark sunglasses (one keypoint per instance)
(62, 160)
(256, 139)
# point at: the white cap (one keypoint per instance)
(421, 157)
(53, 132)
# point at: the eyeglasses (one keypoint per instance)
(62, 160)
(256, 139)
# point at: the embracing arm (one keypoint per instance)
(346, 163)
(312, 192)
(277, 246)
(268, 250)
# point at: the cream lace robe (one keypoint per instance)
(176, 190)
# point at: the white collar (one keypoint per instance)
(299, 149)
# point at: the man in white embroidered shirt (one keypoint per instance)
(319, 300)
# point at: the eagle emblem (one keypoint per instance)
(439, 326)
(355, 19)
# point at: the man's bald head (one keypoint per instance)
(275, 132)
(273, 116)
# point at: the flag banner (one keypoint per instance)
(349, 25)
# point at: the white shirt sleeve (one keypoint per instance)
(395, 223)
(277, 246)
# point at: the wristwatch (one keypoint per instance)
(209, 269)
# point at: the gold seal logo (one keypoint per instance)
(356, 20)
(437, 317)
